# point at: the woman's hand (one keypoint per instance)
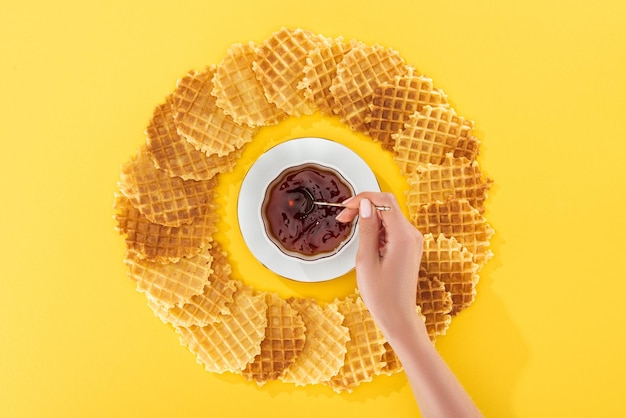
(387, 266)
(388, 258)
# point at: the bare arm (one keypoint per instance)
(387, 267)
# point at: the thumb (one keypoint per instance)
(369, 230)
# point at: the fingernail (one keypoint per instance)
(347, 200)
(339, 214)
(365, 208)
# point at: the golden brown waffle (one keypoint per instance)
(163, 243)
(428, 135)
(201, 122)
(448, 261)
(167, 211)
(206, 307)
(457, 218)
(229, 344)
(395, 101)
(173, 154)
(279, 68)
(455, 177)
(325, 345)
(170, 283)
(467, 147)
(364, 350)
(165, 200)
(362, 69)
(319, 72)
(239, 93)
(391, 360)
(435, 304)
(283, 342)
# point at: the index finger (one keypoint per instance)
(393, 218)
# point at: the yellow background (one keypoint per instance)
(544, 82)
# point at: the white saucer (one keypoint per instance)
(264, 171)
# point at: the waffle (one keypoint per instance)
(206, 307)
(395, 101)
(319, 72)
(201, 122)
(283, 342)
(428, 135)
(164, 200)
(435, 304)
(325, 345)
(391, 360)
(448, 261)
(239, 93)
(166, 207)
(364, 350)
(229, 344)
(156, 242)
(279, 68)
(457, 218)
(173, 154)
(455, 177)
(362, 69)
(467, 147)
(170, 283)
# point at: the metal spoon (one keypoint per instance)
(311, 202)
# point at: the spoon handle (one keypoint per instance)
(341, 205)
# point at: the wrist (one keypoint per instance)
(398, 329)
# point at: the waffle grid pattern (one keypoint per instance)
(167, 212)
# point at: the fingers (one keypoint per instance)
(347, 215)
(393, 218)
(369, 234)
(402, 234)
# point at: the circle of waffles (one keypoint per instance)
(167, 213)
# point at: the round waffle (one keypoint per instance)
(176, 155)
(365, 349)
(171, 283)
(281, 60)
(166, 207)
(283, 342)
(200, 121)
(325, 346)
(394, 102)
(232, 342)
(360, 71)
(429, 134)
(206, 307)
(239, 93)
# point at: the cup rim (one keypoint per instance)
(294, 254)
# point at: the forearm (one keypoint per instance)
(436, 389)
